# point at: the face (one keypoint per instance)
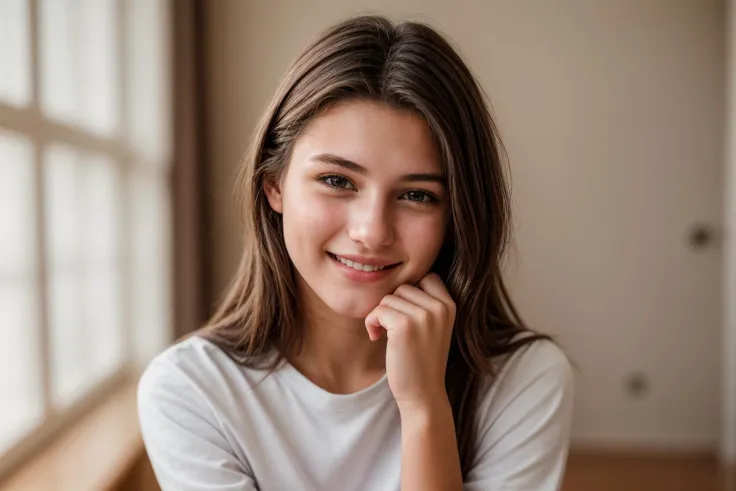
(364, 205)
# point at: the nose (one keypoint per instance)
(371, 224)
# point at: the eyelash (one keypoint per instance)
(324, 179)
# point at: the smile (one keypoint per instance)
(369, 268)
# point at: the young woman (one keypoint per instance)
(367, 341)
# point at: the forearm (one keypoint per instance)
(429, 456)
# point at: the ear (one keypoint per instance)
(274, 196)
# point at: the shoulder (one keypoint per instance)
(200, 360)
(189, 352)
(538, 359)
(196, 373)
(534, 386)
(185, 409)
(179, 376)
(187, 361)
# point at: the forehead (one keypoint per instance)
(385, 140)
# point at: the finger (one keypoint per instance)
(433, 285)
(404, 305)
(384, 317)
(373, 325)
(444, 304)
(415, 295)
(374, 333)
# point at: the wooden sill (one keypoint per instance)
(98, 453)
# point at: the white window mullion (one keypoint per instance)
(42, 265)
(42, 280)
(126, 160)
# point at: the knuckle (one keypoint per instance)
(424, 317)
(402, 289)
(439, 308)
(452, 308)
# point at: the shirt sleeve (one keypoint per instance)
(185, 444)
(524, 424)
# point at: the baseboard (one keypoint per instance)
(646, 445)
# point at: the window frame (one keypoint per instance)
(30, 122)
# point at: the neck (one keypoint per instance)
(336, 353)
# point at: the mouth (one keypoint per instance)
(361, 267)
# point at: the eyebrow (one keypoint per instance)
(332, 159)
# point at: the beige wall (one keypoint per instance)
(612, 113)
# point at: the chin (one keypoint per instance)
(352, 306)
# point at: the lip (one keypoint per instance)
(363, 276)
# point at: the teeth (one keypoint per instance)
(358, 266)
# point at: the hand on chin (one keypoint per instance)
(418, 322)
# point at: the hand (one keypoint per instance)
(418, 323)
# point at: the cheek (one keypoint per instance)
(310, 218)
(422, 239)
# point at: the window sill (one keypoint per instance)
(97, 453)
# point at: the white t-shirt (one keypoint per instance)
(211, 424)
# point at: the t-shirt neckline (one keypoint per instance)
(322, 397)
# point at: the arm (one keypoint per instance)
(429, 456)
(186, 447)
(418, 321)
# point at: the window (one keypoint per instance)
(85, 225)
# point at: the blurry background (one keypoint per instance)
(121, 125)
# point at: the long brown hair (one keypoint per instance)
(406, 66)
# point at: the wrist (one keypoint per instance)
(425, 412)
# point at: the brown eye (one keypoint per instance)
(334, 181)
(337, 181)
(419, 196)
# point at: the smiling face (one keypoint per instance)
(364, 205)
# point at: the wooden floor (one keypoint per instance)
(589, 472)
